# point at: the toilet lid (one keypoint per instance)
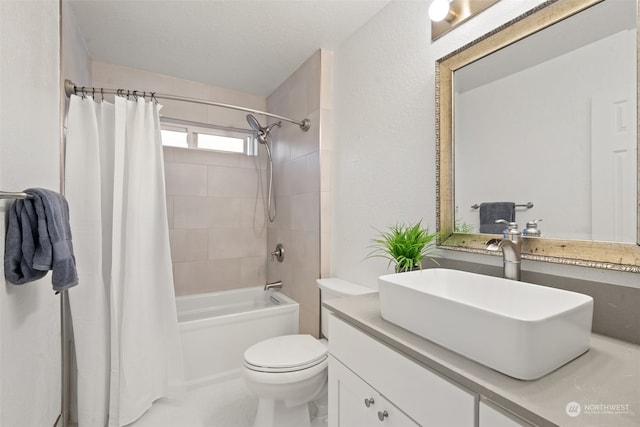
(285, 353)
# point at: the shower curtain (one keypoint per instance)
(123, 310)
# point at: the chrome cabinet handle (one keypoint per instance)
(368, 402)
(382, 415)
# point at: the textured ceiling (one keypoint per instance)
(252, 46)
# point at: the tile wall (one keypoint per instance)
(303, 180)
(216, 219)
(215, 201)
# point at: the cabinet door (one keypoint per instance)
(493, 417)
(354, 403)
(426, 397)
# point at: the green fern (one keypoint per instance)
(406, 245)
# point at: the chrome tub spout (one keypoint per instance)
(272, 285)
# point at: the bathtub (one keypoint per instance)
(217, 327)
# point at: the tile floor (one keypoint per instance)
(224, 404)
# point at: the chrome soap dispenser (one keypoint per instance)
(532, 230)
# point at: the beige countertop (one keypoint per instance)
(605, 381)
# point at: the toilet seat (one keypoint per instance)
(287, 353)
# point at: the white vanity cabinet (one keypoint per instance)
(491, 416)
(357, 404)
(362, 368)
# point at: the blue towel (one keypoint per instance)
(39, 239)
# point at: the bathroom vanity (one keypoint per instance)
(369, 382)
(381, 373)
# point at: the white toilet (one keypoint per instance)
(289, 371)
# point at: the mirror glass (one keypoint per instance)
(548, 124)
(537, 120)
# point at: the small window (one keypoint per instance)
(179, 133)
(220, 143)
(174, 138)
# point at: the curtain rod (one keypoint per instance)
(70, 88)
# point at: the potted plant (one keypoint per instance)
(405, 245)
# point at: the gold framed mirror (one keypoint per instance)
(568, 248)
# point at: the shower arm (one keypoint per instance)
(70, 88)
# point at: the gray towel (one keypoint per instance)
(20, 244)
(39, 240)
(490, 212)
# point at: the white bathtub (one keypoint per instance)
(217, 327)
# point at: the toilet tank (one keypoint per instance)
(334, 287)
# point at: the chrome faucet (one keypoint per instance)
(272, 285)
(511, 247)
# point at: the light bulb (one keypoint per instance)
(438, 10)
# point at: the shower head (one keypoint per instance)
(261, 133)
(272, 125)
(253, 122)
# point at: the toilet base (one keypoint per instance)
(272, 413)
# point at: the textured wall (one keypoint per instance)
(384, 127)
(29, 157)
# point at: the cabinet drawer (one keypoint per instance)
(354, 403)
(424, 396)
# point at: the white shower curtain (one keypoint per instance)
(123, 309)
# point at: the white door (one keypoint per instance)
(613, 166)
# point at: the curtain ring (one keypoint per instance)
(84, 93)
(75, 90)
(102, 93)
(93, 93)
(153, 97)
(135, 95)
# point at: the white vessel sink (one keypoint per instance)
(517, 328)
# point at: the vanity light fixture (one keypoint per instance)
(440, 10)
(447, 14)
